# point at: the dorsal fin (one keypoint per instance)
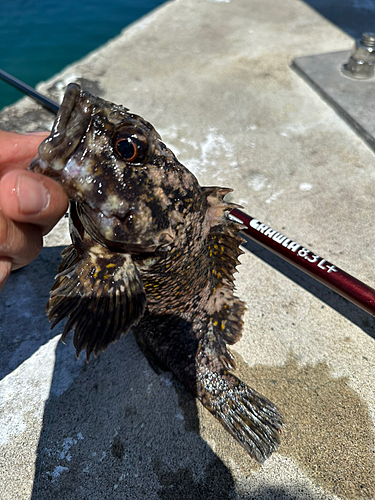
(223, 246)
(101, 294)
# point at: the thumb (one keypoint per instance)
(32, 198)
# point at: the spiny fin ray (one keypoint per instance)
(225, 310)
(102, 296)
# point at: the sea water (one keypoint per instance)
(38, 38)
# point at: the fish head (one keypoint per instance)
(130, 190)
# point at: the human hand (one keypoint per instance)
(30, 204)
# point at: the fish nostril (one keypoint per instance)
(127, 219)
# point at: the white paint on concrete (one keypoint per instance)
(305, 186)
(274, 196)
(258, 182)
(213, 148)
(59, 469)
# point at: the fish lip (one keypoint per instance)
(66, 108)
(72, 119)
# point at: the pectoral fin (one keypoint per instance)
(101, 294)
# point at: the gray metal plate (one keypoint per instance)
(354, 100)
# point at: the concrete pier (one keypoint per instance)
(214, 78)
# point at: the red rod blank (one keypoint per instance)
(301, 257)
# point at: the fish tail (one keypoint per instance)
(247, 415)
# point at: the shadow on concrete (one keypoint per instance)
(352, 16)
(111, 428)
(122, 432)
(24, 325)
(350, 311)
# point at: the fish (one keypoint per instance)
(153, 252)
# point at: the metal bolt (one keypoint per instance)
(368, 39)
(361, 63)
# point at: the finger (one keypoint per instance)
(19, 243)
(32, 198)
(17, 150)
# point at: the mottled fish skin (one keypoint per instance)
(154, 251)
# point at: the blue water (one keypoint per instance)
(38, 38)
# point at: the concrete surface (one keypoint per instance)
(214, 78)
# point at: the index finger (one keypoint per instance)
(17, 150)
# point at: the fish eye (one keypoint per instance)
(131, 145)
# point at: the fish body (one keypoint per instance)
(154, 252)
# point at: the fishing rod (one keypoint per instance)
(299, 256)
(26, 89)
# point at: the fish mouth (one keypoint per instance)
(71, 122)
